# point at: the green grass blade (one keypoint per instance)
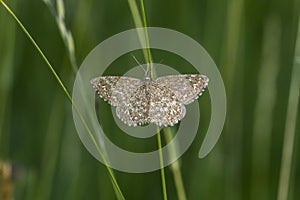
(6, 85)
(149, 56)
(66, 34)
(175, 166)
(138, 24)
(144, 39)
(265, 107)
(161, 161)
(51, 150)
(62, 86)
(290, 125)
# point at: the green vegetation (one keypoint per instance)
(256, 45)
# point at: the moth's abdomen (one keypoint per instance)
(139, 105)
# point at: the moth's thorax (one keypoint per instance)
(147, 79)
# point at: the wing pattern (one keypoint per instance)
(187, 87)
(160, 101)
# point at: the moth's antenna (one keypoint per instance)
(136, 60)
(146, 71)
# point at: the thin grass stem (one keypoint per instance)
(161, 161)
(150, 66)
(62, 86)
(139, 22)
(58, 13)
(153, 76)
(66, 34)
(175, 166)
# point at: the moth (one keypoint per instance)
(160, 101)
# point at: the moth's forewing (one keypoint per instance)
(186, 87)
(116, 90)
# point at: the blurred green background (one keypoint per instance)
(252, 43)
